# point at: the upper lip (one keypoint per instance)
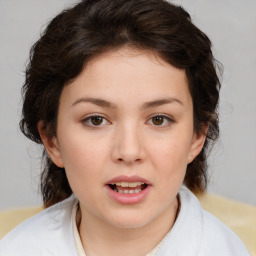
(124, 178)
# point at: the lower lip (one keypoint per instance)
(129, 198)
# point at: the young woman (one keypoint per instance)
(123, 95)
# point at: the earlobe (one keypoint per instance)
(51, 144)
(197, 144)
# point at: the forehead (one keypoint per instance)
(129, 74)
(140, 59)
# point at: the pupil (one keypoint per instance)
(158, 120)
(97, 120)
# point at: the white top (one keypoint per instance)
(195, 233)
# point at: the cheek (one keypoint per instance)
(83, 159)
(170, 160)
(171, 152)
(80, 148)
(82, 169)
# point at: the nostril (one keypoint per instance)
(128, 160)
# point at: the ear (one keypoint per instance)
(197, 143)
(51, 144)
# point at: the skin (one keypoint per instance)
(128, 141)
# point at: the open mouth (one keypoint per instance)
(128, 187)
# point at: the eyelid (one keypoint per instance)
(167, 117)
(87, 117)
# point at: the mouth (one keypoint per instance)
(128, 187)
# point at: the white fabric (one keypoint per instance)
(78, 242)
(195, 233)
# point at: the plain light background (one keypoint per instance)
(230, 24)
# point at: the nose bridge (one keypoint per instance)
(128, 142)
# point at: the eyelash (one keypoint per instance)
(167, 119)
(88, 120)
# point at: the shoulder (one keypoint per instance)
(219, 239)
(216, 237)
(47, 233)
(198, 233)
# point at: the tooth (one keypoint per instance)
(134, 184)
(120, 191)
(131, 191)
(137, 190)
(126, 191)
(124, 184)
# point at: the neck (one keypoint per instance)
(101, 238)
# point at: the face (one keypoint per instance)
(125, 136)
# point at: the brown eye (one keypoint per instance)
(157, 120)
(160, 120)
(96, 120)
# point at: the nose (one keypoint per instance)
(128, 145)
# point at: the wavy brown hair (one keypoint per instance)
(93, 27)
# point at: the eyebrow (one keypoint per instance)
(96, 101)
(107, 104)
(160, 102)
